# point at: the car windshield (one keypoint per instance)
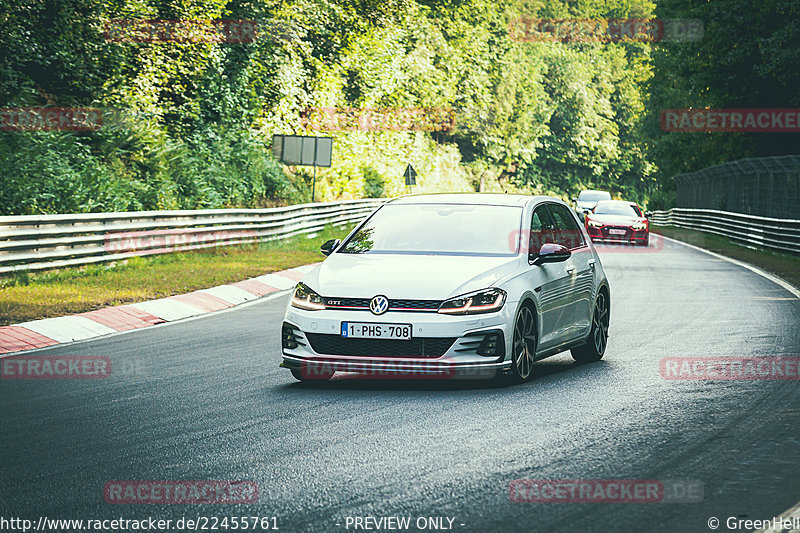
(593, 196)
(446, 229)
(615, 208)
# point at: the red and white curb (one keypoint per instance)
(50, 331)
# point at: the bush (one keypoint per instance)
(661, 201)
(373, 183)
(135, 166)
(58, 173)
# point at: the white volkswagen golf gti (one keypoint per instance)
(451, 285)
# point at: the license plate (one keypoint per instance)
(616, 232)
(371, 330)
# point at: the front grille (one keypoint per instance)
(347, 302)
(416, 305)
(394, 305)
(417, 347)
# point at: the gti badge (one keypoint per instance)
(379, 305)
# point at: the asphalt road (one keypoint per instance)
(205, 399)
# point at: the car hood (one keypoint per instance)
(620, 220)
(424, 277)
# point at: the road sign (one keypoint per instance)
(303, 150)
(411, 175)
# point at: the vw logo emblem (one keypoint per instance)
(379, 305)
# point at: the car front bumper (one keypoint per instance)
(318, 346)
(631, 235)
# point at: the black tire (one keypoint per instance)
(299, 375)
(523, 345)
(596, 344)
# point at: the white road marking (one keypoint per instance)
(774, 279)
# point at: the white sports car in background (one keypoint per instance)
(587, 200)
(451, 285)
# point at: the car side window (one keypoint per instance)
(567, 232)
(541, 229)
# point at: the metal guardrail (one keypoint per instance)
(40, 242)
(777, 234)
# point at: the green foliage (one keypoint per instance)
(747, 58)
(373, 183)
(56, 173)
(189, 123)
(129, 167)
(593, 105)
(179, 128)
(661, 200)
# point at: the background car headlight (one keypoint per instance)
(305, 298)
(484, 301)
(595, 224)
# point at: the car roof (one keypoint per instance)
(626, 202)
(595, 190)
(473, 198)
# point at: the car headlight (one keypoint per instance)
(594, 224)
(305, 298)
(484, 301)
(639, 226)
